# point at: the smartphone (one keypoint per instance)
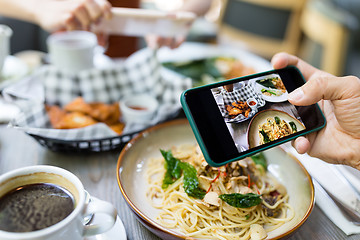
(237, 118)
(141, 22)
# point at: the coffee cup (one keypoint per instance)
(48, 203)
(72, 51)
(5, 35)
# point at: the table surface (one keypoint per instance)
(97, 171)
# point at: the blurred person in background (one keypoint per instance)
(33, 20)
(67, 15)
(57, 15)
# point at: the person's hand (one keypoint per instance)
(55, 15)
(154, 41)
(339, 99)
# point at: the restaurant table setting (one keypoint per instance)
(138, 75)
(91, 152)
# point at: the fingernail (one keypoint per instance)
(296, 95)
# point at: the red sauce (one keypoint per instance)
(138, 108)
(252, 103)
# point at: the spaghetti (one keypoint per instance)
(211, 217)
(275, 128)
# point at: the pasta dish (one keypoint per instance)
(275, 128)
(237, 201)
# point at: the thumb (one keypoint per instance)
(325, 87)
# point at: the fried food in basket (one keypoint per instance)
(78, 105)
(238, 107)
(78, 114)
(75, 120)
(55, 115)
(117, 127)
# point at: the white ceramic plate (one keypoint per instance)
(191, 51)
(133, 185)
(260, 118)
(272, 98)
(258, 87)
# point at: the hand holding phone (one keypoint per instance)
(237, 118)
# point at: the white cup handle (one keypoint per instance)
(106, 209)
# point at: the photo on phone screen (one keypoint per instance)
(257, 111)
(239, 117)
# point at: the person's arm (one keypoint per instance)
(339, 99)
(53, 15)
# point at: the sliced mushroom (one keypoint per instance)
(243, 163)
(204, 164)
(233, 164)
(245, 190)
(204, 182)
(257, 232)
(212, 198)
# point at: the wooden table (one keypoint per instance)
(97, 171)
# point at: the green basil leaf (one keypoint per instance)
(266, 83)
(293, 127)
(173, 170)
(259, 159)
(277, 120)
(266, 137)
(191, 181)
(241, 200)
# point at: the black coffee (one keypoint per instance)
(34, 207)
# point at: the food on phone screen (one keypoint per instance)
(207, 202)
(238, 107)
(274, 86)
(275, 128)
(78, 114)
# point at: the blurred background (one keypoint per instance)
(325, 33)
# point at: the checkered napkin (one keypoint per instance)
(140, 73)
(242, 94)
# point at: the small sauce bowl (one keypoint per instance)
(252, 103)
(139, 108)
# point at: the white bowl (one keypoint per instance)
(133, 184)
(253, 105)
(139, 108)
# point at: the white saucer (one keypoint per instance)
(14, 69)
(116, 232)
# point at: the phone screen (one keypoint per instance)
(239, 117)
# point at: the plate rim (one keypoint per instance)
(154, 226)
